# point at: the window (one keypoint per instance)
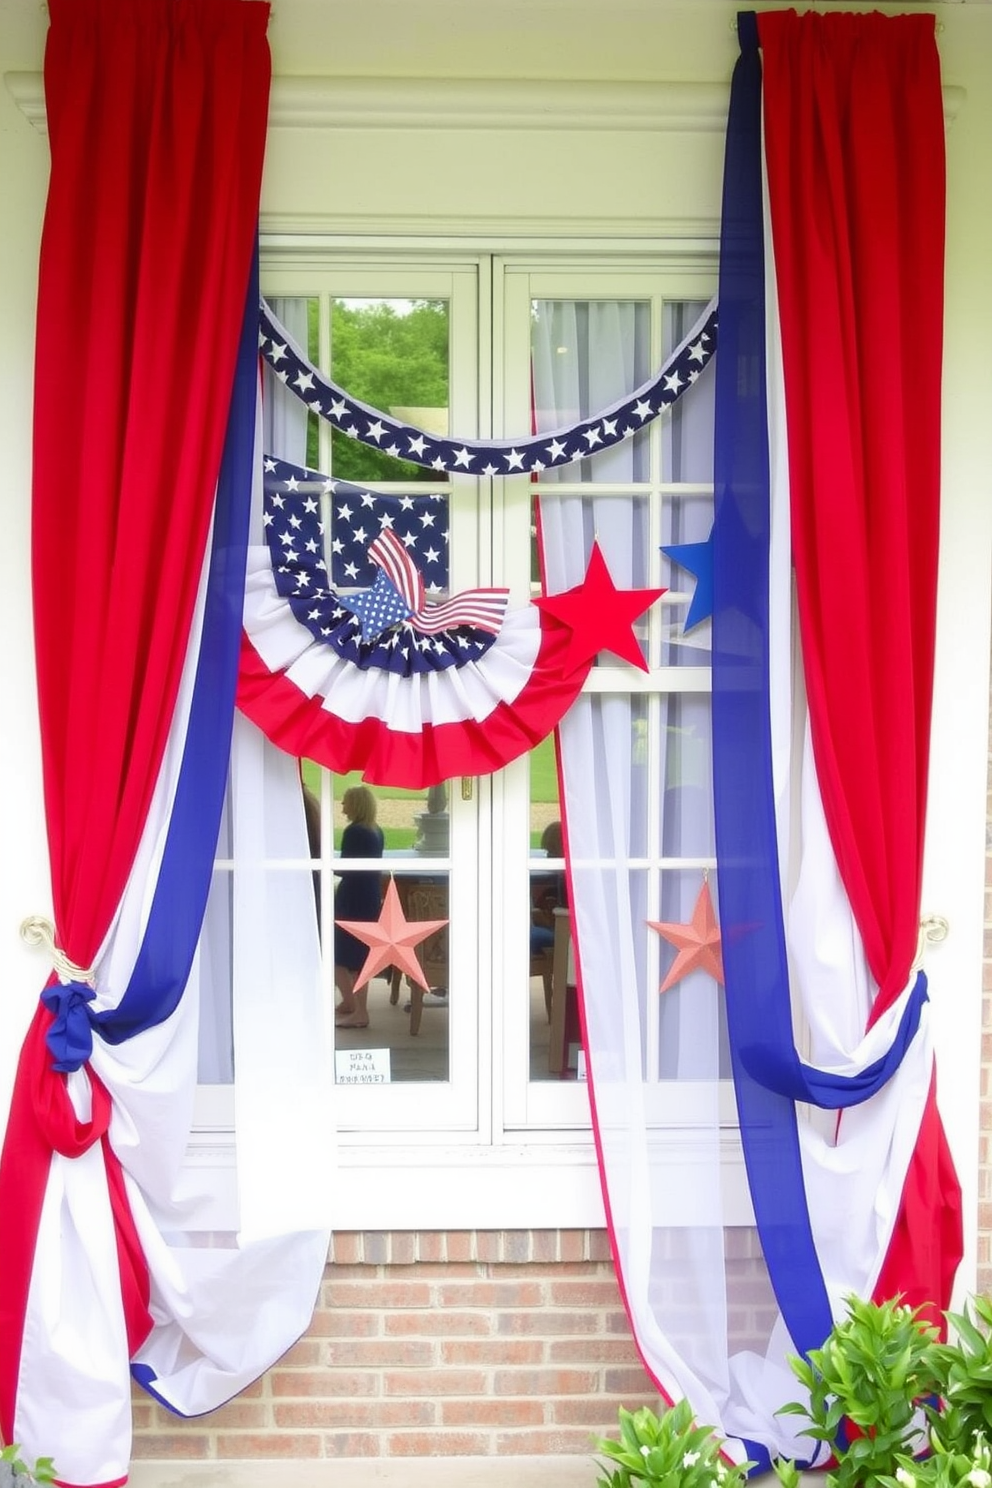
(479, 345)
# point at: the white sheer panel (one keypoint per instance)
(639, 824)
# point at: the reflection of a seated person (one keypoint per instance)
(548, 893)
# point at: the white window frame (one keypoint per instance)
(499, 1148)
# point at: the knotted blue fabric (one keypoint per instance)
(70, 1038)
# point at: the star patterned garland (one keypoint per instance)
(530, 455)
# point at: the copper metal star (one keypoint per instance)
(599, 615)
(391, 939)
(697, 943)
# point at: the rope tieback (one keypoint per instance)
(38, 930)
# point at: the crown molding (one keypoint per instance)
(462, 103)
(476, 103)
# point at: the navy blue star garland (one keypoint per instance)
(488, 457)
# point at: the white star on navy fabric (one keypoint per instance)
(361, 628)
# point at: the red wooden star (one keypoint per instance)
(391, 939)
(698, 943)
(599, 615)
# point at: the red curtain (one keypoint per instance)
(157, 117)
(856, 181)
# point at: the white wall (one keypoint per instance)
(473, 174)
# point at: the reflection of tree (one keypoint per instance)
(388, 356)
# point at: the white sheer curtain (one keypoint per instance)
(263, 1016)
(638, 817)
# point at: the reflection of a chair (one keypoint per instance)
(564, 1000)
(423, 899)
(542, 964)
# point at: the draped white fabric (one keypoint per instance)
(639, 826)
(255, 1005)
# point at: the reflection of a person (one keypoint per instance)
(547, 893)
(357, 897)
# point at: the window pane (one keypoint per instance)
(548, 896)
(687, 430)
(393, 355)
(392, 1016)
(692, 1023)
(585, 355)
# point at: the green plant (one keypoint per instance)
(871, 1377)
(963, 1368)
(43, 1470)
(945, 1468)
(666, 1451)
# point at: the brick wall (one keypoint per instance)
(423, 1344)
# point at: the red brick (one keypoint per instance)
(545, 1382)
(438, 1444)
(306, 1354)
(189, 1445)
(340, 1323)
(430, 1247)
(560, 1441)
(592, 1351)
(353, 1444)
(491, 1294)
(544, 1245)
(377, 1295)
(573, 1245)
(329, 1382)
(599, 1246)
(434, 1382)
(492, 1351)
(291, 1415)
(242, 1415)
(460, 1245)
(586, 1293)
(492, 1412)
(489, 1245)
(598, 1412)
(271, 1444)
(397, 1353)
(544, 1323)
(346, 1247)
(626, 1381)
(436, 1323)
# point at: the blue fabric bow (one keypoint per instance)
(70, 1038)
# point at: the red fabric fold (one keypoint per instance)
(854, 142)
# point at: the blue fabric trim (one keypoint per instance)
(757, 988)
(145, 1376)
(166, 954)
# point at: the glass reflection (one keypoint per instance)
(381, 874)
